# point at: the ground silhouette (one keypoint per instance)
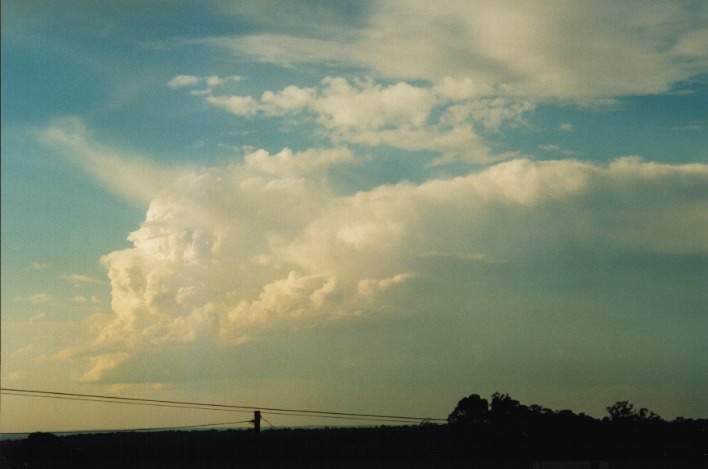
(500, 433)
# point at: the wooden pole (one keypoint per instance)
(257, 420)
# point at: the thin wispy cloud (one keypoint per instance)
(38, 316)
(82, 299)
(129, 176)
(36, 299)
(80, 278)
(553, 148)
(507, 45)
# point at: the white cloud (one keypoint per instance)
(80, 278)
(576, 51)
(182, 81)
(692, 46)
(343, 107)
(286, 162)
(227, 254)
(239, 105)
(102, 363)
(213, 80)
(291, 98)
(296, 296)
(493, 112)
(83, 299)
(462, 89)
(190, 81)
(39, 266)
(552, 147)
(372, 287)
(579, 50)
(442, 119)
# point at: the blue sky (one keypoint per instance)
(378, 206)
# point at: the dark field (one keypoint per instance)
(662, 445)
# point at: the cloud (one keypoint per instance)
(295, 297)
(39, 266)
(446, 118)
(577, 51)
(239, 105)
(83, 299)
(189, 81)
(17, 375)
(102, 363)
(36, 299)
(372, 287)
(695, 126)
(281, 49)
(130, 176)
(551, 147)
(287, 163)
(37, 317)
(22, 352)
(80, 278)
(181, 81)
(343, 107)
(228, 254)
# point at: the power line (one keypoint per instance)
(370, 419)
(288, 413)
(209, 406)
(124, 400)
(178, 427)
(110, 401)
(183, 426)
(266, 421)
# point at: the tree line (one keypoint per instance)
(474, 409)
(492, 434)
(627, 436)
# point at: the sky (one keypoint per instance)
(356, 206)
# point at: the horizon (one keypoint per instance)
(373, 207)
(623, 411)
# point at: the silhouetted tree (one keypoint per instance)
(471, 409)
(505, 434)
(646, 414)
(624, 411)
(621, 410)
(503, 404)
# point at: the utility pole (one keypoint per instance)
(257, 420)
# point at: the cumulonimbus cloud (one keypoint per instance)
(227, 253)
